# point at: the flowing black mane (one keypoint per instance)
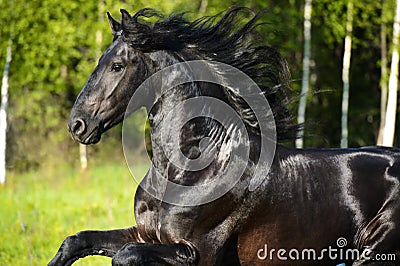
(230, 39)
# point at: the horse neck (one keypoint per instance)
(167, 114)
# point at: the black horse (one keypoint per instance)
(308, 206)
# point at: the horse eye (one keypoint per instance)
(117, 67)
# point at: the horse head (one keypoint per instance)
(103, 100)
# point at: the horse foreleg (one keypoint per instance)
(156, 254)
(85, 243)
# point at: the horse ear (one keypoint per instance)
(126, 18)
(115, 26)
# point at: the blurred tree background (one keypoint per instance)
(56, 45)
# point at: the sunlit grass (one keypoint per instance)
(39, 209)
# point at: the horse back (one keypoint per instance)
(314, 197)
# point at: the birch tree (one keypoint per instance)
(346, 74)
(99, 40)
(306, 70)
(203, 6)
(3, 114)
(389, 129)
(384, 74)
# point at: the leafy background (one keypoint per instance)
(56, 44)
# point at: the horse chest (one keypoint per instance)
(162, 224)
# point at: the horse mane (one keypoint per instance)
(228, 38)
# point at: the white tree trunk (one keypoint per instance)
(388, 133)
(83, 155)
(99, 40)
(3, 114)
(383, 83)
(306, 70)
(203, 6)
(346, 74)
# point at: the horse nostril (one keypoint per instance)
(78, 127)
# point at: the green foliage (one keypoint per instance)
(328, 31)
(40, 209)
(56, 48)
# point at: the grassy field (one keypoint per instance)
(39, 209)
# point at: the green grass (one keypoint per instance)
(39, 209)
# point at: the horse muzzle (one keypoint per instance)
(85, 132)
